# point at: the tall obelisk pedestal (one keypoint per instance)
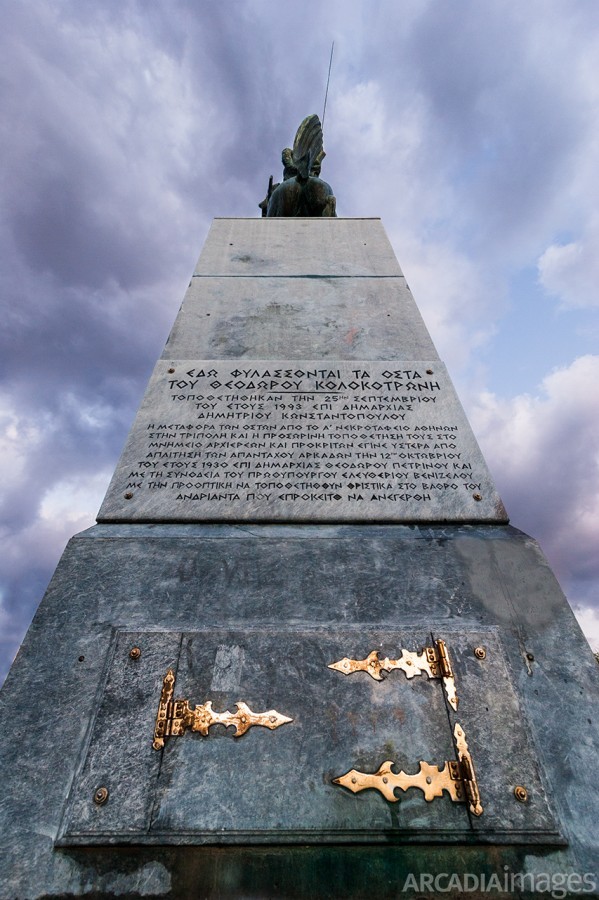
(302, 653)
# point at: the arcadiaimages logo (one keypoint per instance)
(556, 884)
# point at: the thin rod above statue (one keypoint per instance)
(302, 192)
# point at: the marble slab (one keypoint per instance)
(256, 613)
(299, 318)
(182, 792)
(290, 247)
(301, 441)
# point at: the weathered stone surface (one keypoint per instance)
(291, 593)
(291, 247)
(338, 723)
(308, 441)
(299, 318)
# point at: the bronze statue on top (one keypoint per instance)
(302, 192)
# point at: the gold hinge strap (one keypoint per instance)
(175, 716)
(432, 661)
(457, 778)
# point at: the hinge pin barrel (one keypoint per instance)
(444, 662)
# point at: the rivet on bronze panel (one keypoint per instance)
(477, 496)
(480, 652)
(520, 793)
(134, 652)
(101, 796)
(128, 495)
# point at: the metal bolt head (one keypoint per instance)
(170, 371)
(480, 652)
(477, 497)
(520, 793)
(134, 652)
(429, 371)
(128, 495)
(101, 796)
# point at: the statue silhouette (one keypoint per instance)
(302, 192)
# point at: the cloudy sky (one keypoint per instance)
(470, 126)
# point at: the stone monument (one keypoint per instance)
(302, 653)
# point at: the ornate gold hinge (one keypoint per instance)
(456, 777)
(174, 716)
(434, 661)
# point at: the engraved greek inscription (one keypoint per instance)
(284, 437)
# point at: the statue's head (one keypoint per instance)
(289, 169)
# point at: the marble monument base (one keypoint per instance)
(258, 614)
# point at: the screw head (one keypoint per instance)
(134, 652)
(170, 371)
(520, 793)
(429, 371)
(101, 796)
(477, 497)
(480, 652)
(128, 495)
